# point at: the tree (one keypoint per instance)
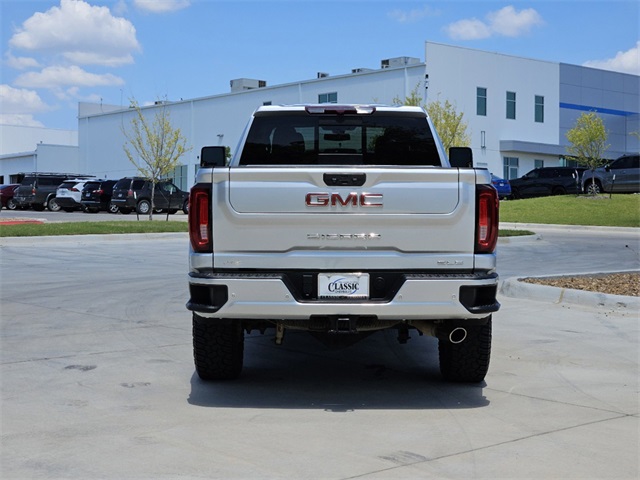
(155, 147)
(588, 141)
(449, 124)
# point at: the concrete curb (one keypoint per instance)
(541, 227)
(514, 287)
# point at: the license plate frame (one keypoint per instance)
(343, 286)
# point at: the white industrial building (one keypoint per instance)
(36, 149)
(517, 110)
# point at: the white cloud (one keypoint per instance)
(20, 120)
(81, 33)
(625, 62)
(20, 102)
(161, 6)
(506, 22)
(469, 29)
(20, 63)
(414, 15)
(59, 76)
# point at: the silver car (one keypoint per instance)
(621, 175)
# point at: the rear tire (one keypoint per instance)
(218, 348)
(52, 205)
(144, 207)
(113, 208)
(11, 205)
(467, 361)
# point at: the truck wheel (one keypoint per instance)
(593, 188)
(218, 348)
(144, 206)
(467, 361)
(52, 205)
(11, 205)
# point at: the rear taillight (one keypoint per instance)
(486, 219)
(200, 231)
(130, 193)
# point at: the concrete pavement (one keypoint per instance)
(97, 379)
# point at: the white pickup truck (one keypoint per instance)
(342, 220)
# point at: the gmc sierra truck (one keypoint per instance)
(342, 220)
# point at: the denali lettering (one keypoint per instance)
(324, 199)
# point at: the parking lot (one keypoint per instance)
(97, 378)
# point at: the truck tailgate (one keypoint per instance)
(385, 218)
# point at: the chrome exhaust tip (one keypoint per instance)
(458, 335)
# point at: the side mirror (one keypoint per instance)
(461, 157)
(213, 157)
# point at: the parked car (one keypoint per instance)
(547, 181)
(38, 190)
(96, 196)
(502, 186)
(6, 196)
(621, 175)
(134, 193)
(69, 194)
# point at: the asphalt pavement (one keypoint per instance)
(97, 377)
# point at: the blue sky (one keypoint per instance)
(57, 53)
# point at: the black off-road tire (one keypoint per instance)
(467, 361)
(218, 348)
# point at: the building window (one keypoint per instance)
(510, 167)
(328, 97)
(567, 162)
(511, 105)
(538, 163)
(481, 101)
(539, 109)
(180, 177)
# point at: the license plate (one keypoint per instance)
(343, 285)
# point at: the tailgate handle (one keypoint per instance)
(345, 179)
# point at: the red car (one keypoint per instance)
(6, 196)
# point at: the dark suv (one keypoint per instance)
(38, 190)
(134, 193)
(547, 181)
(96, 196)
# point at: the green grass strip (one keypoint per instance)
(90, 228)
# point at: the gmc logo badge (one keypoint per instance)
(352, 199)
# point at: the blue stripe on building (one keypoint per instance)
(607, 111)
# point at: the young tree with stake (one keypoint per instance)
(153, 147)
